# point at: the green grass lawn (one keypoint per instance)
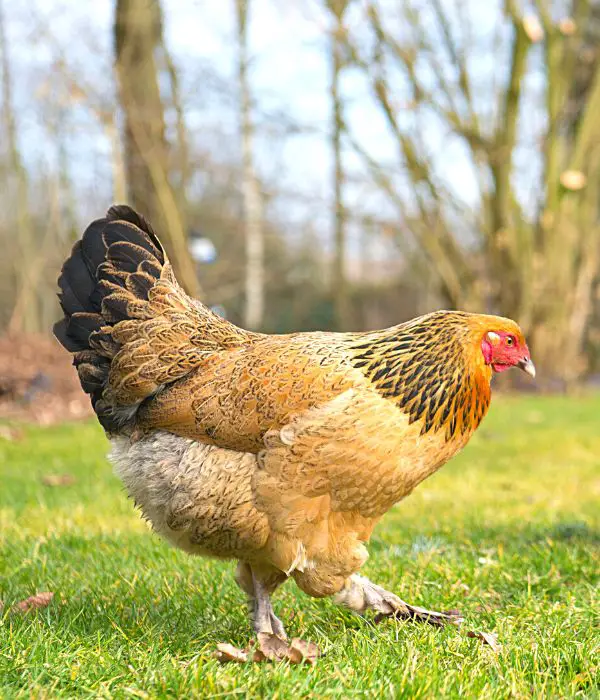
(509, 532)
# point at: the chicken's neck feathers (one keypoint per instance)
(432, 368)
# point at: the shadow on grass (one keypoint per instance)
(483, 536)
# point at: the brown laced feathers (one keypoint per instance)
(433, 369)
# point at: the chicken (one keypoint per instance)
(279, 451)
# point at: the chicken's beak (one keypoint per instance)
(527, 366)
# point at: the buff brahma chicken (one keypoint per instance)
(279, 451)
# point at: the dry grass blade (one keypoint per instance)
(34, 602)
(487, 638)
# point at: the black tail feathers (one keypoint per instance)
(109, 272)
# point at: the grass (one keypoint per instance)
(508, 532)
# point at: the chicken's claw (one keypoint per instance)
(431, 617)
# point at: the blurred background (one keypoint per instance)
(309, 164)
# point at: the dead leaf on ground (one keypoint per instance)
(34, 602)
(227, 653)
(303, 651)
(9, 433)
(58, 480)
(488, 638)
(270, 647)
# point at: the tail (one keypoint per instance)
(131, 328)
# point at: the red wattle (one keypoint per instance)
(486, 349)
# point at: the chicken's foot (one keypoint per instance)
(360, 594)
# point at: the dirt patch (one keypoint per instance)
(38, 382)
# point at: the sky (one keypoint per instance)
(289, 76)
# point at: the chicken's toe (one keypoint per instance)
(361, 595)
(431, 617)
(277, 626)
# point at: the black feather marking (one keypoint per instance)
(140, 284)
(105, 287)
(60, 332)
(419, 366)
(413, 393)
(115, 308)
(67, 298)
(73, 331)
(105, 280)
(88, 356)
(92, 246)
(127, 256)
(108, 271)
(82, 324)
(91, 377)
(121, 231)
(104, 342)
(122, 212)
(452, 427)
(151, 268)
(446, 411)
(387, 386)
(380, 373)
(76, 283)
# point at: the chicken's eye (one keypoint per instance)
(510, 340)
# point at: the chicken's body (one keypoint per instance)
(282, 452)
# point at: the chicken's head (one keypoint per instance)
(506, 348)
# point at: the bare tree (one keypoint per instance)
(25, 314)
(251, 190)
(337, 8)
(531, 252)
(138, 33)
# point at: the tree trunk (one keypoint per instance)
(251, 191)
(25, 314)
(339, 280)
(138, 33)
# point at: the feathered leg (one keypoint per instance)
(259, 587)
(360, 594)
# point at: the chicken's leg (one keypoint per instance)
(271, 639)
(259, 587)
(262, 613)
(360, 594)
